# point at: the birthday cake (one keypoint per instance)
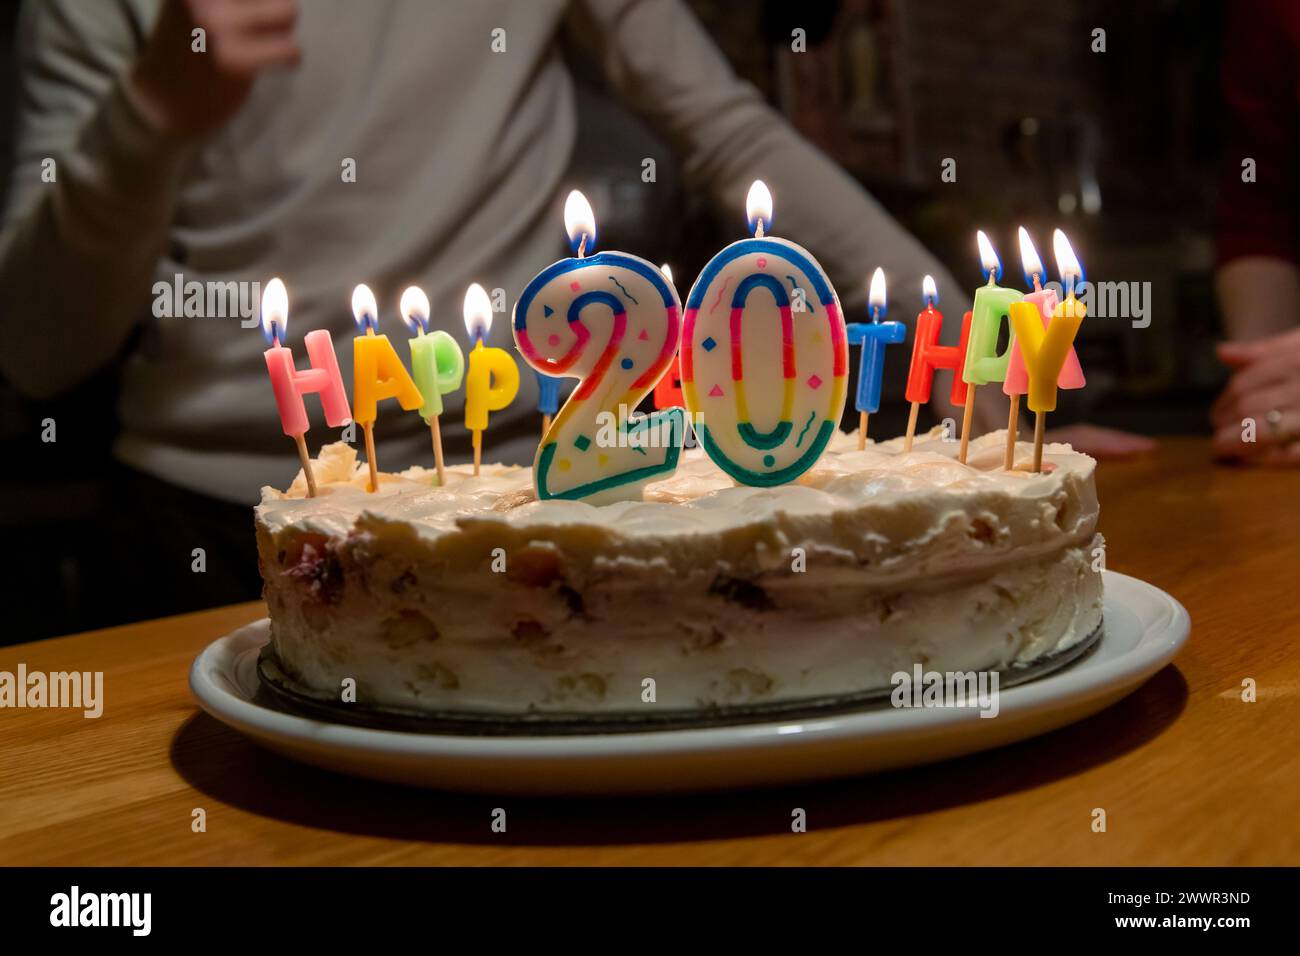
(475, 597)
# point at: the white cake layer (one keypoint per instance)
(477, 597)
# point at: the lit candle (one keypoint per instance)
(766, 389)
(668, 393)
(984, 363)
(492, 381)
(609, 319)
(1045, 349)
(377, 374)
(928, 356)
(873, 337)
(1016, 382)
(437, 366)
(290, 385)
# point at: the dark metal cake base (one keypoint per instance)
(282, 689)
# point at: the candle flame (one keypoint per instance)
(364, 308)
(929, 291)
(275, 311)
(876, 300)
(1029, 259)
(758, 206)
(1067, 263)
(579, 221)
(478, 313)
(989, 260)
(414, 307)
(668, 273)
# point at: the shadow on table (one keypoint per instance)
(218, 761)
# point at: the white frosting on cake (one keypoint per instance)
(724, 594)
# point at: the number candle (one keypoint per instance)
(873, 337)
(1016, 382)
(437, 365)
(611, 321)
(290, 385)
(492, 381)
(984, 363)
(741, 337)
(1046, 349)
(377, 374)
(668, 393)
(548, 398)
(928, 356)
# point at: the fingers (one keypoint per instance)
(1258, 404)
(1266, 443)
(1237, 354)
(1273, 369)
(245, 56)
(246, 36)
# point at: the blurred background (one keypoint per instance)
(1119, 149)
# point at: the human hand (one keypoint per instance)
(1101, 443)
(191, 93)
(1264, 389)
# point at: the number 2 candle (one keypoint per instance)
(610, 320)
(764, 355)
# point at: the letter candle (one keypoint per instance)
(290, 385)
(1016, 382)
(437, 365)
(668, 393)
(928, 356)
(984, 363)
(1045, 349)
(610, 320)
(873, 337)
(377, 374)
(492, 381)
(741, 337)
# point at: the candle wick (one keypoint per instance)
(1038, 287)
(758, 230)
(582, 246)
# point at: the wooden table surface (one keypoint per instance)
(1187, 772)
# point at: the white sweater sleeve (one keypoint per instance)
(91, 196)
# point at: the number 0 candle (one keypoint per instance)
(290, 385)
(610, 320)
(764, 355)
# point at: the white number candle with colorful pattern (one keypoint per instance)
(764, 355)
(611, 320)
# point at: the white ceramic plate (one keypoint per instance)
(1144, 629)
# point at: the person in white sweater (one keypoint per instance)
(141, 156)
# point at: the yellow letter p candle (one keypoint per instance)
(492, 381)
